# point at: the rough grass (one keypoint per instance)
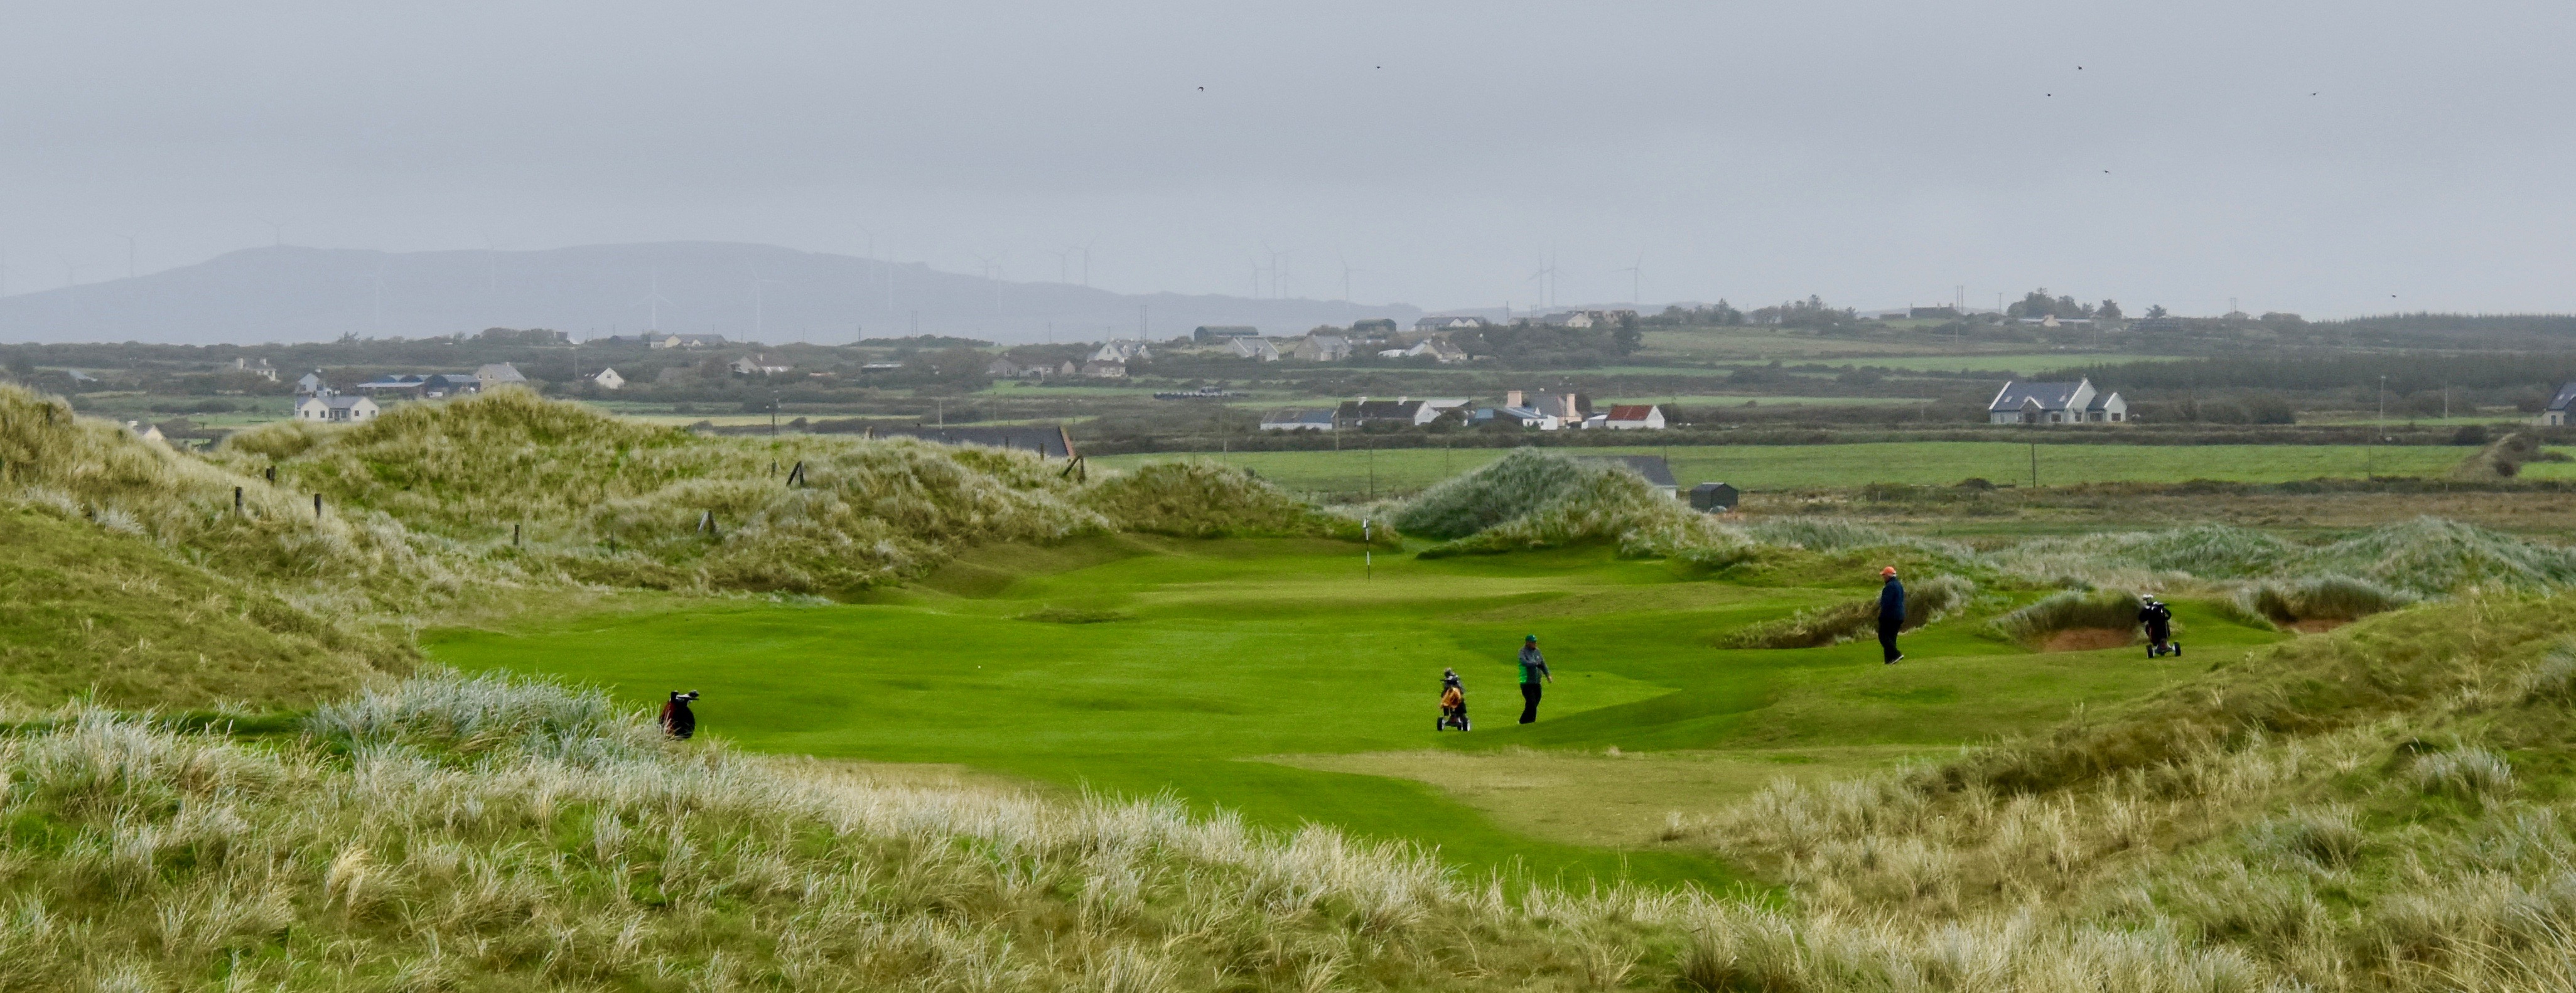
(2425, 557)
(1199, 499)
(1529, 500)
(1926, 602)
(2069, 610)
(484, 834)
(2378, 809)
(2326, 598)
(1516, 485)
(594, 498)
(94, 611)
(437, 509)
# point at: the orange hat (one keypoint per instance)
(1889, 572)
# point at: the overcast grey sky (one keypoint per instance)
(2329, 158)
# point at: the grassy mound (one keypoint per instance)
(1926, 602)
(93, 611)
(2326, 598)
(2115, 610)
(478, 834)
(1198, 499)
(598, 499)
(1530, 500)
(2379, 809)
(1514, 486)
(1611, 506)
(2426, 556)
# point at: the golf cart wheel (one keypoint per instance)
(2177, 650)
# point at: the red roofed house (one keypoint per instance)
(1635, 415)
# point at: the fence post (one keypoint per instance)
(237, 501)
(514, 536)
(317, 506)
(272, 475)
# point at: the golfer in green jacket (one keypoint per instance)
(1533, 670)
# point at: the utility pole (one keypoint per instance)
(2034, 465)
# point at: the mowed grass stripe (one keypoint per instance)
(1793, 467)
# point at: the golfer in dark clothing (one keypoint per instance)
(1533, 669)
(1891, 614)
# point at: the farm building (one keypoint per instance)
(1634, 417)
(499, 373)
(2055, 403)
(1298, 420)
(1254, 348)
(1449, 322)
(1212, 333)
(608, 379)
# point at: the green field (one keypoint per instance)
(1293, 682)
(1795, 467)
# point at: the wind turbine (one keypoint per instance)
(653, 301)
(1545, 277)
(1278, 272)
(759, 302)
(1636, 278)
(1346, 274)
(129, 252)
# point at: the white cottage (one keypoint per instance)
(337, 409)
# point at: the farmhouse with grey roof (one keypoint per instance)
(2055, 403)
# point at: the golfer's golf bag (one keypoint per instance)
(2159, 621)
(1453, 709)
(677, 719)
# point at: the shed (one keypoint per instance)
(1713, 498)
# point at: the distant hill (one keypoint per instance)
(763, 292)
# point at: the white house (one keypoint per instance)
(337, 409)
(608, 379)
(1448, 322)
(1105, 370)
(659, 339)
(1632, 417)
(2555, 415)
(2055, 403)
(1298, 420)
(1321, 348)
(1440, 351)
(1254, 348)
(260, 369)
(1122, 352)
(761, 365)
(311, 384)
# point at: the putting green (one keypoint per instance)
(1193, 660)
